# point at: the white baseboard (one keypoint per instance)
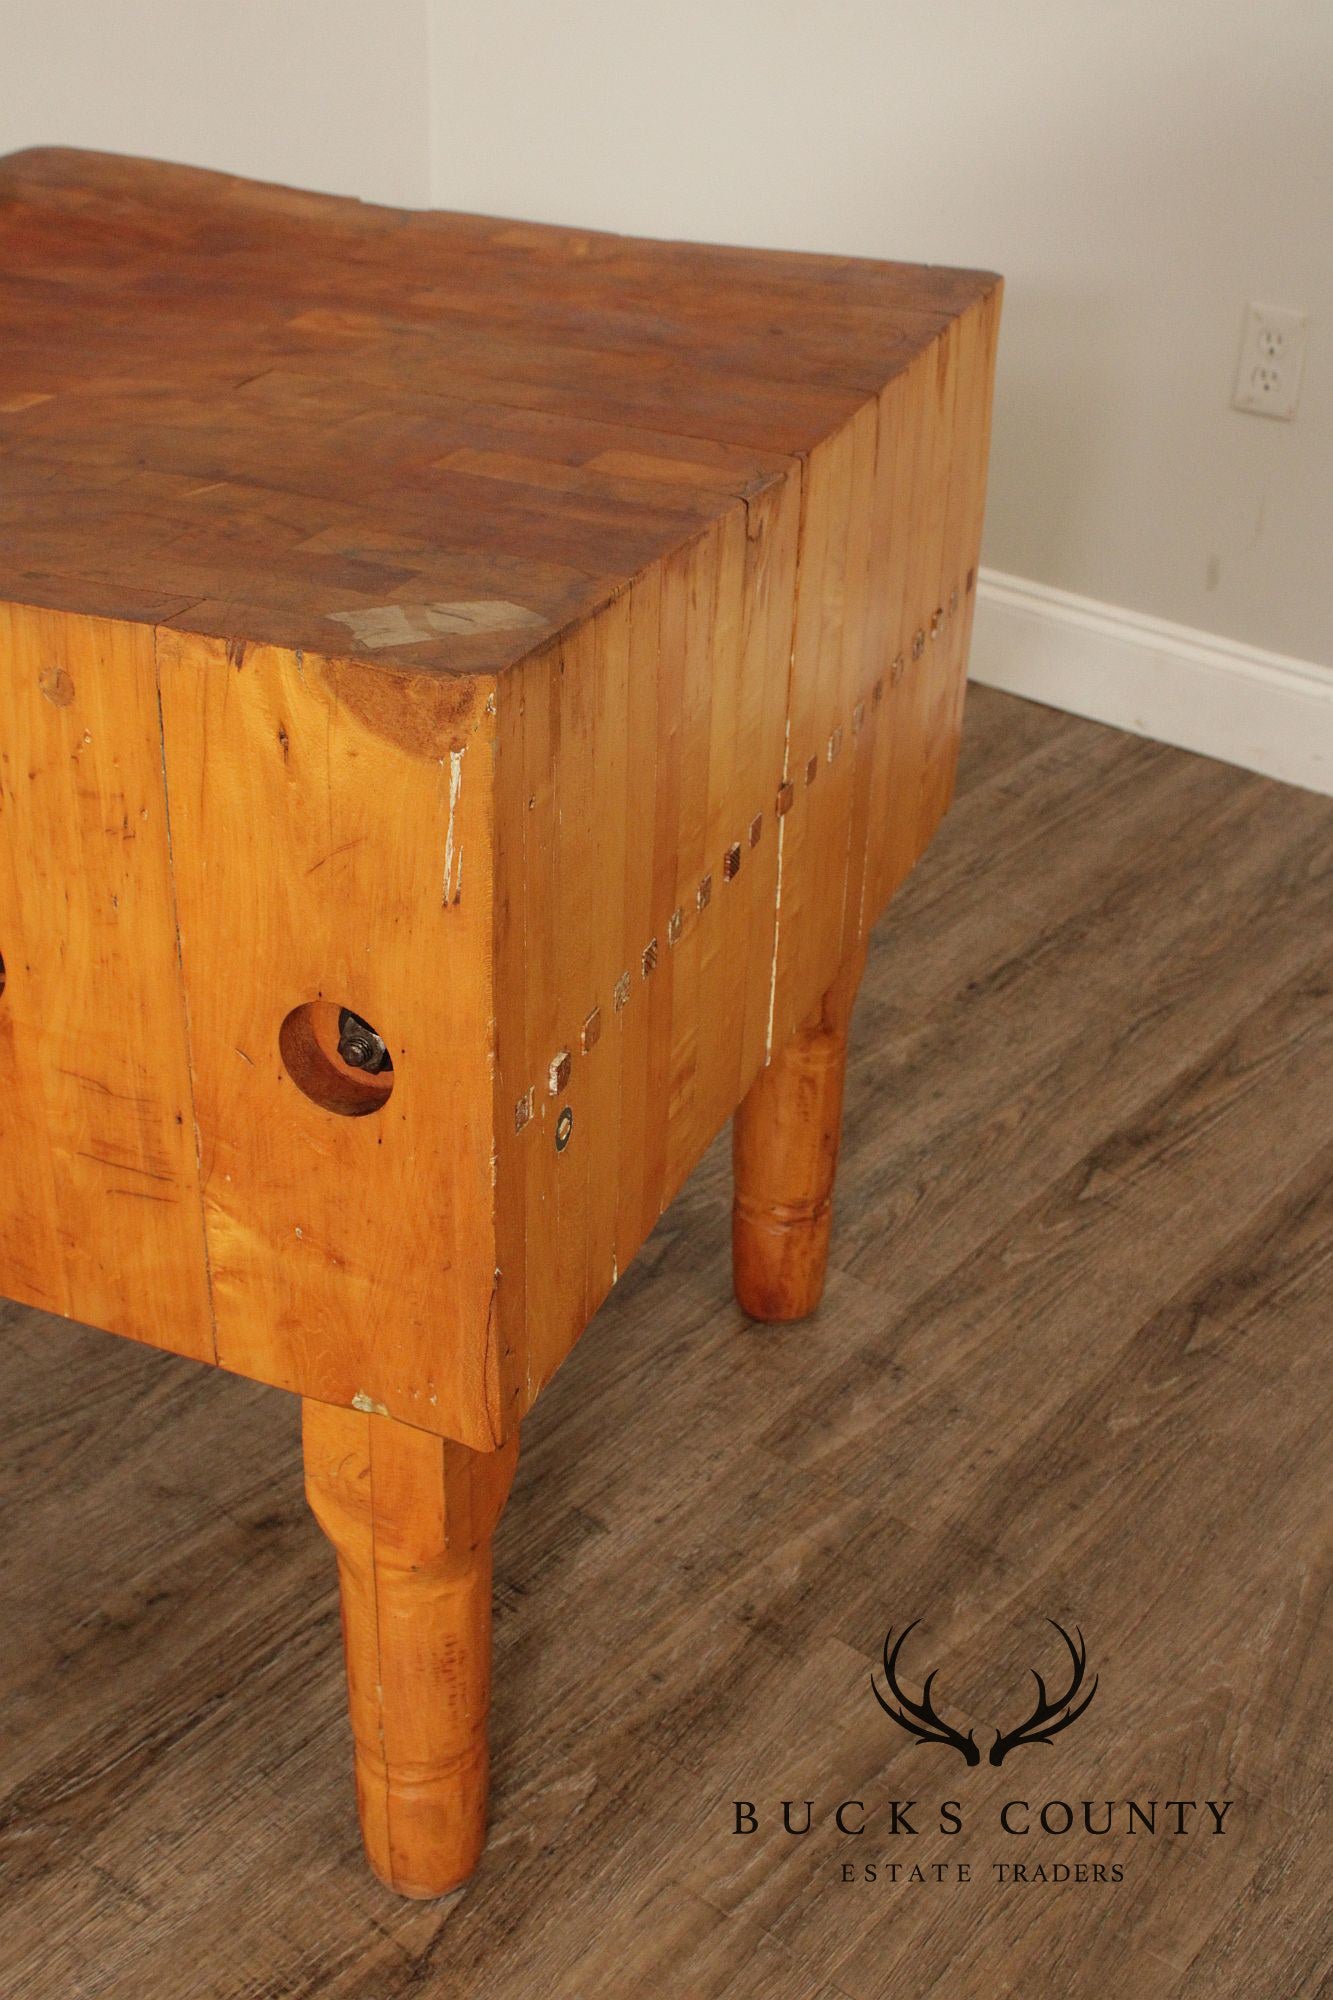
(1261, 710)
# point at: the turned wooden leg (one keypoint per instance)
(411, 1517)
(784, 1156)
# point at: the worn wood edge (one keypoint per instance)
(282, 193)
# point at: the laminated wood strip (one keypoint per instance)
(825, 674)
(703, 720)
(972, 447)
(598, 1061)
(99, 1182)
(332, 845)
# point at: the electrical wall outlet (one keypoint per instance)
(1272, 354)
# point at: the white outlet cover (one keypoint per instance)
(1272, 357)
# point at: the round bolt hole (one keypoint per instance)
(564, 1129)
(2, 974)
(336, 1058)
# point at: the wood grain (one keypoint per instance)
(332, 842)
(99, 1178)
(492, 622)
(785, 1140)
(411, 1518)
(526, 608)
(1071, 1362)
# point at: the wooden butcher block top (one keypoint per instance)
(427, 439)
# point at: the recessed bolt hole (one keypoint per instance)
(336, 1058)
(358, 1044)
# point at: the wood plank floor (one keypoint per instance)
(1073, 1363)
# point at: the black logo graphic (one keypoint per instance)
(1046, 1721)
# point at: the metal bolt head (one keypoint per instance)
(358, 1044)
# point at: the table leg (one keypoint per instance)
(785, 1155)
(410, 1517)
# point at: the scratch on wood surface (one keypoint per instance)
(777, 898)
(453, 863)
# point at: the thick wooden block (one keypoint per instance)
(540, 648)
(467, 690)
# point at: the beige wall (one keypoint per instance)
(320, 93)
(1136, 168)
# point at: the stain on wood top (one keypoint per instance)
(426, 439)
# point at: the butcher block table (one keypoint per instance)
(467, 689)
